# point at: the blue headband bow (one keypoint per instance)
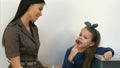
(88, 24)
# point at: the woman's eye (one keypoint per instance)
(40, 9)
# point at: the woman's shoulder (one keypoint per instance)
(15, 22)
(12, 27)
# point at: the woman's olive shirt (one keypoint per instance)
(19, 42)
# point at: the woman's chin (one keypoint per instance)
(34, 20)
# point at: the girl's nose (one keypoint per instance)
(80, 37)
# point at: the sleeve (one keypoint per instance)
(11, 41)
(102, 50)
(66, 63)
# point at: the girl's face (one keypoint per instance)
(85, 39)
(34, 11)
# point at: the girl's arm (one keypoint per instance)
(106, 52)
(72, 54)
(107, 55)
(66, 63)
(15, 62)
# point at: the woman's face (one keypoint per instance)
(34, 11)
(85, 39)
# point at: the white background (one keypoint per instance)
(61, 23)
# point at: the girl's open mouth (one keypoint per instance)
(78, 42)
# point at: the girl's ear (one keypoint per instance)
(92, 44)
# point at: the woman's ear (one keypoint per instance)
(92, 44)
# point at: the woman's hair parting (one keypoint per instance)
(90, 52)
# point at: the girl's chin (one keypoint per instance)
(78, 45)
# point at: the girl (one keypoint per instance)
(20, 38)
(81, 55)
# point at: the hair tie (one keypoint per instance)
(88, 24)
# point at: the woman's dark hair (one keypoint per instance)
(90, 52)
(23, 7)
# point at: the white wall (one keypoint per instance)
(61, 23)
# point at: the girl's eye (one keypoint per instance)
(80, 34)
(85, 37)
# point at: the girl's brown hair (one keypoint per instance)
(90, 52)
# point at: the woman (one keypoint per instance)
(20, 38)
(81, 55)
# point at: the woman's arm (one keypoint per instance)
(15, 62)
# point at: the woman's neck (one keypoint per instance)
(25, 20)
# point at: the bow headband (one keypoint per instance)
(88, 24)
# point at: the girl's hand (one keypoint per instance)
(73, 53)
(107, 55)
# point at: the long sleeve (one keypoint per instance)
(78, 59)
(66, 63)
(102, 50)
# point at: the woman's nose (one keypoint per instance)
(40, 14)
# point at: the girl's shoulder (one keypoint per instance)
(70, 48)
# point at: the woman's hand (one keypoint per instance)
(107, 55)
(73, 53)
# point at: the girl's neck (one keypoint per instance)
(81, 49)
